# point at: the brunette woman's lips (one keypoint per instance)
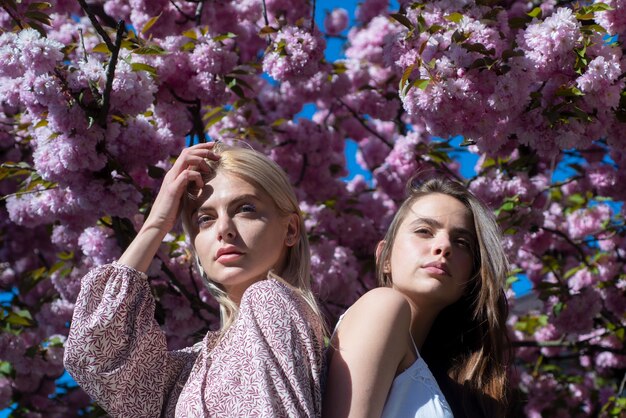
(437, 268)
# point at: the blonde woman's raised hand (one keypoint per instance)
(187, 170)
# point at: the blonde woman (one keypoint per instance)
(247, 232)
(441, 311)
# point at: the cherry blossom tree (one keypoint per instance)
(98, 98)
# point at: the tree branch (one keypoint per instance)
(106, 96)
(365, 125)
(96, 24)
(196, 304)
(582, 256)
(17, 21)
(199, 10)
(567, 344)
(312, 17)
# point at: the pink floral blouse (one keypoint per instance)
(267, 364)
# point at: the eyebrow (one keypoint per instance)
(436, 224)
(234, 202)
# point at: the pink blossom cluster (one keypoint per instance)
(336, 21)
(295, 53)
(524, 93)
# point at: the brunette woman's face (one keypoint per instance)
(431, 257)
(239, 234)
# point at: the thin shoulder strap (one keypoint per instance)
(417, 352)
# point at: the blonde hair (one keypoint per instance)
(265, 174)
(468, 340)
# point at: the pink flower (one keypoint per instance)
(40, 55)
(369, 9)
(614, 20)
(581, 279)
(589, 221)
(336, 21)
(367, 44)
(600, 74)
(548, 44)
(579, 312)
(6, 393)
(133, 91)
(213, 57)
(295, 53)
(98, 245)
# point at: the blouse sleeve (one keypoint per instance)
(285, 342)
(115, 349)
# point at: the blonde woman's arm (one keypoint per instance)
(187, 169)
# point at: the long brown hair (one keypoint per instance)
(467, 346)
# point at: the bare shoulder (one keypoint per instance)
(380, 311)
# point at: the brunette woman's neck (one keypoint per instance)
(422, 319)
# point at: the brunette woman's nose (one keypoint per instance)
(442, 246)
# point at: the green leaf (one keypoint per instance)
(589, 29)
(40, 5)
(41, 123)
(56, 266)
(19, 319)
(266, 30)
(467, 142)
(536, 12)
(150, 23)
(405, 77)
(38, 16)
(435, 29)
(510, 53)
(421, 83)
(66, 256)
(459, 36)
(149, 50)
(212, 112)
(402, 19)
(228, 35)
(101, 47)
(339, 68)
(190, 34)
(478, 47)
(5, 368)
(569, 91)
(138, 66)
(454, 17)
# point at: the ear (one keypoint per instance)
(293, 230)
(379, 251)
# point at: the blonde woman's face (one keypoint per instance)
(431, 257)
(239, 233)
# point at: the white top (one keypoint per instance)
(414, 393)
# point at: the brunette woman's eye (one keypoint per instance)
(247, 207)
(464, 243)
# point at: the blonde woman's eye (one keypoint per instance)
(204, 220)
(422, 231)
